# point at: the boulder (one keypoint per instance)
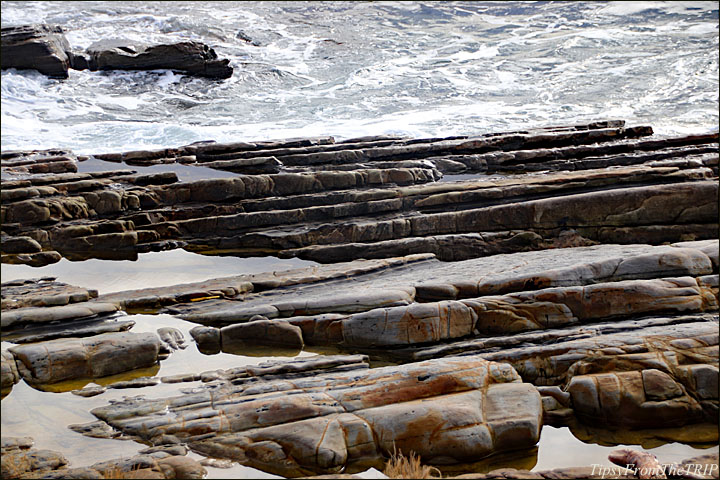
(39, 47)
(264, 332)
(192, 58)
(9, 375)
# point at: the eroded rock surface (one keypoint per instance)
(449, 409)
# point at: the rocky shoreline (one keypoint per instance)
(573, 282)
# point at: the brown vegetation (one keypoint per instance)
(400, 466)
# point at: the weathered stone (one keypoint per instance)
(417, 323)
(634, 399)
(456, 402)
(172, 337)
(76, 328)
(40, 47)
(39, 259)
(19, 462)
(16, 443)
(181, 467)
(89, 391)
(135, 383)
(95, 430)
(31, 315)
(107, 354)
(141, 466)
(192, 58)
(9, 375)
(264, 332)
(44, 292)
(646, 463)
(207, 339)
(20, 245)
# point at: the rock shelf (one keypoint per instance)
(293, 201)
(573, 282)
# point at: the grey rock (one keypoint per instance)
(192, 58)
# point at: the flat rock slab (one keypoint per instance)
(43, 315)
(98, 356)
(42, 293)
(447, 409)
(493, 295)
(75, 328)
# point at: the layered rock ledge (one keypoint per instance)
(377, 197)
(585, 296)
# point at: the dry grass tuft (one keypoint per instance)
(400, 466)
(116, 473)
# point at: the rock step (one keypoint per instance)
(311, 214)
(386, 318)
(588, 213)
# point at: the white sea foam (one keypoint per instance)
(350, 69)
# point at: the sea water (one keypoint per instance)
(349, 69)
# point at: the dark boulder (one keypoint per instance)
(192, 58)
(40, 47)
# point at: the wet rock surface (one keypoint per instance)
(277, 424)
(192, 58)
(44, 48)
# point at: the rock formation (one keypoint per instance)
(44, 48)
(584, 297)
(370, 198)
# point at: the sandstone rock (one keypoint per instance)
(76, 328)
(44, 292)
(417, 323)
(19, 462)
(192, 58)
(633, 399)
(646, 463)
(278, 426)
(172, 337)
(32, 315)
(181, 467)
(107, 354)
(9, 375)
(207, 339)
(20, 245)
